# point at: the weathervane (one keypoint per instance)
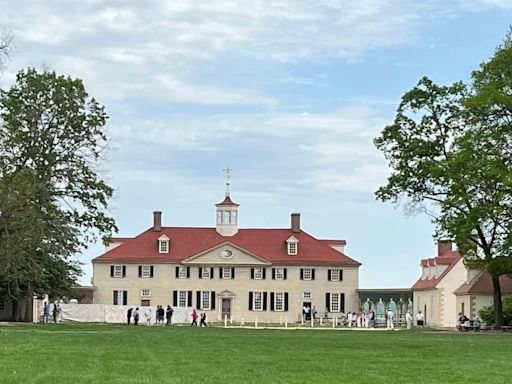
(227, 171)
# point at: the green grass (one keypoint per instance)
(66, 353)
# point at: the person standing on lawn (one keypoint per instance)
(408, 320)
(46, 312)
(203, 319)
(129, 315)
(136, 316)
(194, 317)
(168, 315)
(420, 319)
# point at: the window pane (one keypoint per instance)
(307, 273)
(226, 273)
(118, 271)
(146, 270)
(335, 302)
(335, 274)
(258, 301)
(182, 302)
(279, 273)
(206, 299)
(183, 273)
(279, 301)
(258, 273)
(205, 274)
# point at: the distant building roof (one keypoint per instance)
(481, 284)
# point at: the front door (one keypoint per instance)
(226, 308)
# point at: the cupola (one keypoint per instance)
(227, 211)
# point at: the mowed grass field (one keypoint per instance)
(68, 353)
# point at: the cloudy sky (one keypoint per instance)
(288, 93)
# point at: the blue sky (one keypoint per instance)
(288, 93)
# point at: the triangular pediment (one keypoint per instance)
(226, 253)
(292, 239)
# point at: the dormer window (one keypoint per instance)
(292, 245)
(163, 244)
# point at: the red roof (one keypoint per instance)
(334, 242)
(482, 284)
(449, 258)
(227, 201)
(269, 244)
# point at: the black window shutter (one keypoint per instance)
(232, 272)
(125, 297)
(342, 302)
(313, 274)
(174, 298)
(189, 298)
(273, 273)
(212, 298)
(285, 273)
(264, 301)
(140, 270)
(250, 301)
(177, 272)
(286, 301)
(221, 274)
(115, 298)
(252, 273)
(264, 273)
(329, 275)
(341, 274)
(198, 300)
(328, 302)
(271, 301)
(302, 274)
(200, 272)
(111, 271)
(188, 272)
(211, 273)
(124, 270)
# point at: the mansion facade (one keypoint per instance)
(227, 271)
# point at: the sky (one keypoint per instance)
(288, 93)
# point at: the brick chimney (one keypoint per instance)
(295, 222)
(157, 221)
(443, 246)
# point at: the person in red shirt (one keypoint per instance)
(194, 317)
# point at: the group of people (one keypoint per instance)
(55, 312)
(133, 314)
(161, 314)
(308, 312)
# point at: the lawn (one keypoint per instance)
(66, 353)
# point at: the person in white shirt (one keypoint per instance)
(408, 320)
(390, 317)
(420, 319)
(147, 313)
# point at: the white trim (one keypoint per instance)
(206, 297)
(146, 271)
(226, 273)
(163, 246)
(282, 295)
(332, 275)
(182, 272)
(258, 273)
(145, 292)
(279, 273)
(118, 270)
(307, 273)
(333, 301)
(179, 297)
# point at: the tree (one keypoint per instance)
(52, 139)
(449, 148)
(6, 43)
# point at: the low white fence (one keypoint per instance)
(102, 313)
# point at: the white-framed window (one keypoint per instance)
(227, 217)
(145, 293)
(258, 273)
(182, 299)
(257, 301)
(205, 273)
(205, 300)
(335, 274)
(118, 271)
(120, 297)
(306, 274)
(279, 301)
(279, 273)
(292, 248)
(306, 295)
(182, 273)
(226, 273)
(164, 246)
(335, 302)
(146, 271)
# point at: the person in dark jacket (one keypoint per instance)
(168, 315)
(129, 315)
(136, 316)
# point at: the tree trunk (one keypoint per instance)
(498, 308)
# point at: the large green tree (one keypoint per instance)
(449, 149)
(52, 141)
